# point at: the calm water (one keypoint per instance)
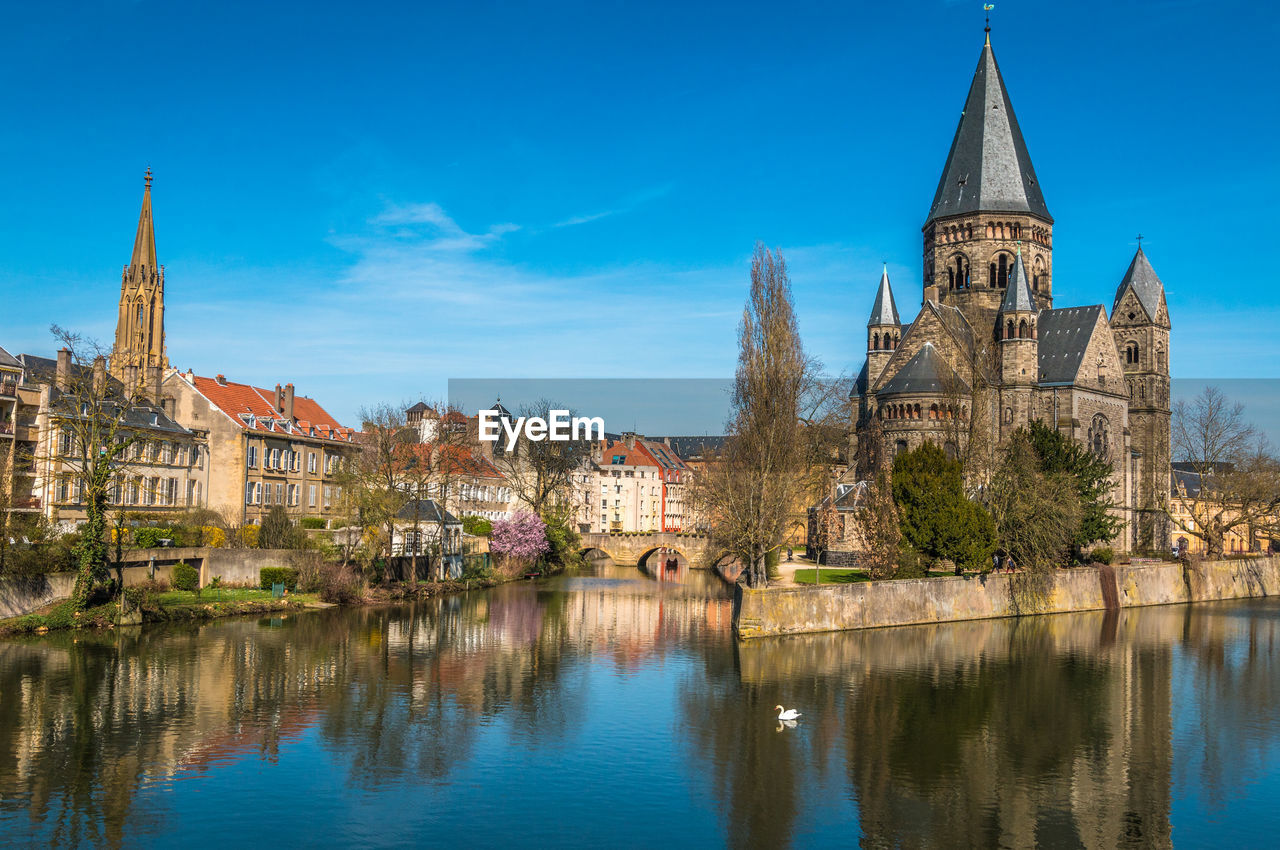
(605, 709)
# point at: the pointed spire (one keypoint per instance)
(144, 244)
(884, 311)
(988, 167)
(1145, 283)
(1018, 297)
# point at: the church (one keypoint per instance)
(989, 351)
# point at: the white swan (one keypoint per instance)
(786, 713)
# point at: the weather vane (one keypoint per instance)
(987, 7)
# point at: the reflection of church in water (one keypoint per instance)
(989, 351)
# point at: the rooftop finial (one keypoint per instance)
(147, 177)
(987, 7)
(1139, 241)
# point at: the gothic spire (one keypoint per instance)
(884, 311)
(988, 167)
(1144, 282)
(1018, 297)
(144, 244)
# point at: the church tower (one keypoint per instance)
(988, 202)
(138, 358)
(884, 329)
(1140, 322)
(1016, 335)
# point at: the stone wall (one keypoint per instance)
(235, 566)
(799, 610)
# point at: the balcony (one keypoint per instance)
(30, 503)
(8, 389)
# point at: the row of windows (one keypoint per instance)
(152, 491)
(915, 411)
(998, 272)
(994, 230)
(267, 493)
(288, 460)
(150, 451)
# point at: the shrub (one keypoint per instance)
(149, 538)
(248, 536)
(278, 531)
(339, 585)
(313, 522)
(212, 536)
(476, 526)
(186, 577)
(522, 538)
(287, 576)
(1104, 554)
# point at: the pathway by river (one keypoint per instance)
(609, 709)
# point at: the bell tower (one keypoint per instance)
(988, 203)
(138, 357)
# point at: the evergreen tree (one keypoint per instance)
(278, 531)
(1092, 475)
(936, 516)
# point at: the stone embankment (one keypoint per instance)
(867, 605)
(20, 596)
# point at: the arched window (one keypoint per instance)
(875, 342)
(1002, 274)
(1099, 437)
(961, 264)
(949, 449)
(1131, 353)
(933, 411)
(900, 447)
(991, 230)
(951, 278)
(1008, 330)
(1037, 273)
(916, 413)
(1022, 330)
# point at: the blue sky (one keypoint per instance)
(371, 199)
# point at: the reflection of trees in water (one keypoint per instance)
(994, 733)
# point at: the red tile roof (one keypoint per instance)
(254, 409)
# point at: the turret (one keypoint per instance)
(1140, 323)
(884, 328)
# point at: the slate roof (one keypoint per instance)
(8, 360)
(861, 382)
(884, 311)
(503, 413)
(692, 448)
(988, 167)
(1144, 282)
(927, 372)
(1063, 336)
(1018, 296)
(427, 511)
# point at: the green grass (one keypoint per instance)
(171, 598)
(832, 575)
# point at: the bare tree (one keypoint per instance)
(541, 473)
(878, 528)
(1235, 483)
(748, 493)
(372, 480)
(89, 416)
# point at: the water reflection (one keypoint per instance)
(600, 697)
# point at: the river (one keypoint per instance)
(606, 709)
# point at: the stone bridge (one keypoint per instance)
(630, 548)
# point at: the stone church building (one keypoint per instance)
(989, 351)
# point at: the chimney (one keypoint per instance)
(279, 400)
(630, 439)
(99, 375)
(157, 376)
(221, 380)
(63, 378)
(288, 402)
(931, 293)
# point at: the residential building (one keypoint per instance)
(266, 447)
(164, 469)
(639, 485)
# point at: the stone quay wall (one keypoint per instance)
(19, 596)
(869, 605)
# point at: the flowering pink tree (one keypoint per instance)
(520, 539)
